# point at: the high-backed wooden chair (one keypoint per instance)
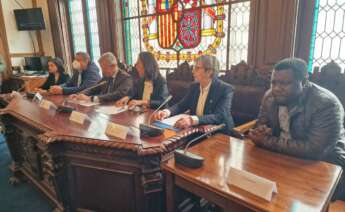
(179, 81)
(249, 89)
(332, 78)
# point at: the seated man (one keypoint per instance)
(300, 118)
(208, 100)
(86, 75)
(118, 82)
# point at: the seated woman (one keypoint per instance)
(151, 89)
(57, 75)
(208, 100)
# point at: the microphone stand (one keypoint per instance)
(189, 159)
(148, 129)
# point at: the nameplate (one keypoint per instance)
(46, 104)
(78, 117)
(252, 183)
(116, 130)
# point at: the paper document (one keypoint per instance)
(172, 120)
(111, 110)
(88, 104)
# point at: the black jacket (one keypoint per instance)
(63, 78)
(159, 93)
(122, 86)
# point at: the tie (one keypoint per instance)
(110, 83)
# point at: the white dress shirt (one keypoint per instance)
(284, 122)
(200, 106)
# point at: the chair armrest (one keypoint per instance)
(242, 129)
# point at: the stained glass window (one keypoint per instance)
(77, 19)
(77, 25)
(328, 40)
(179, 30)
(93, 29)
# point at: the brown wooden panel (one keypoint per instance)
(116, 189)
(275, 24)
(4, 50)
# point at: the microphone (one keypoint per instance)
(185, 158)
(150, 130)
(92, 87)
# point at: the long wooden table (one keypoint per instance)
(302, 185)
(78, 167)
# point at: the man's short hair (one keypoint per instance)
(109, 58)
(296, 65)
(209, 62)
(84, 55)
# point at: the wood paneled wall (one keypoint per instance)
(273, 31)
(4, 50)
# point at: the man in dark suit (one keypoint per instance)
(208, 100)
(118, 82)
(86, 75)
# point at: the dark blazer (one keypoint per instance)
(217, 106)
(122, 86)
(159, 93)
(89, 77)
(63, 78)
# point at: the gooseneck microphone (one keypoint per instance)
(92, 87)
(185, 158)
(150, 130)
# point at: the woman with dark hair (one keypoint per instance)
(151, 89)
(57, 75)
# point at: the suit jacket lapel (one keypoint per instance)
(210, 96)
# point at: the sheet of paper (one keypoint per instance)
(88, 104)
(172, 120)
(252, 183)
(111, 110)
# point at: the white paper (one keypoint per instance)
(46, 104)
(252, 183)
(78, 117)
(88, 104)
(111, 110)
(116, 130)
(172, 120)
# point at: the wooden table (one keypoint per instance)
(32, 82)
(79, 167)
(302, 185)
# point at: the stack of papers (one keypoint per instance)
(111, 110)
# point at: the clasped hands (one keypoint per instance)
(131, 103)
(259, 134)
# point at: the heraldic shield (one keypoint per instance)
(176, 23)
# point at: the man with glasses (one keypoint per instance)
(208, 100)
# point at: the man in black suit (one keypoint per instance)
(86, 75)
(118, 82)
(208, 100)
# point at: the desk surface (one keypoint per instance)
(302, 185)
(56, 126)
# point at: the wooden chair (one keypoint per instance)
(337, 206)
(250, 87)
(331, 78)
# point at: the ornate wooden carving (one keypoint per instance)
(72, 163)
